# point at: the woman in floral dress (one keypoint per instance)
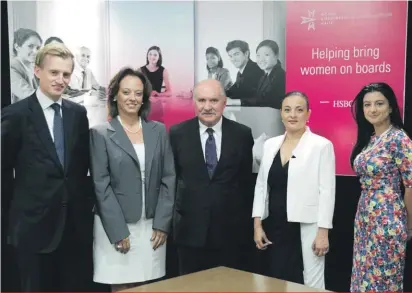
(382, 158)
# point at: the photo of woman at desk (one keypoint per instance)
(26, 43)
(156, 73)
(295, 197)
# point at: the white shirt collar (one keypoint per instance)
(45, 101)
(217, 127)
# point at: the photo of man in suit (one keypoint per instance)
(248, 76)
(45, 142)
(213, 160)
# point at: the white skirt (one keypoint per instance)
(140, 264)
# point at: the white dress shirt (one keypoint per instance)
(217, 134)
(45, 103)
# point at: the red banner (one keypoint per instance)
(333, 49)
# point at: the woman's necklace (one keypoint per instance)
(127, 129)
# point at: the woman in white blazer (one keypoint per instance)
(295, 196)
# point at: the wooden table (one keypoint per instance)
(223, 279)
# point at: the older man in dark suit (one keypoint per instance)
(213, 159)
(45, 142)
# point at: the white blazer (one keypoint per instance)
(311, 180)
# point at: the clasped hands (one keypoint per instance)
(158, 239)
(320, 246)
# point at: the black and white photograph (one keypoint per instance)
(242, 44)
(34, 24)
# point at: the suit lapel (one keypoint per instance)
(150, 138)
(40, 124)
(227, 144)
(263, 83)
(273, 150)
(302, 144)
(267, 81)
(120, 138)
(195, 145)
(68, 126)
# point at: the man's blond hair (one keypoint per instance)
(53, 49)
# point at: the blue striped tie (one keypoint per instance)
(210, 152)
(58, 132)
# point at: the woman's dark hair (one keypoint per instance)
(53, 39)
(214, 51)
(297, 93)
(366, 129)
(160, 61)
(271, 44)
(22, 35)
(114, 87)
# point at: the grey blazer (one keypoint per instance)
(22, 84)
(223, 75)
(117, 178)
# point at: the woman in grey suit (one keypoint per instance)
(134, 179)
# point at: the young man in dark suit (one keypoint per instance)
(45, 142)
(248, 76)
(213, 159)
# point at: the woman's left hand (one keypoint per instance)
(320, 246)
(158, 238)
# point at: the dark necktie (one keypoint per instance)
(210, 153)
(58, 132)
(84, 79)
(238, 78)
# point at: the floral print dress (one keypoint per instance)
(381, 218)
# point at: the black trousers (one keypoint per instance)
(66, 269)
(194, 259)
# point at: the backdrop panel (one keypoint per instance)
(333, 50)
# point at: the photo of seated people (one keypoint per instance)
(215, 180)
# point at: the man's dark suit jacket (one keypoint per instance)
(271, 89)
(212, 212)
(41, 184)
(246, 84)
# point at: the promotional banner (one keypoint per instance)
(334, 49)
